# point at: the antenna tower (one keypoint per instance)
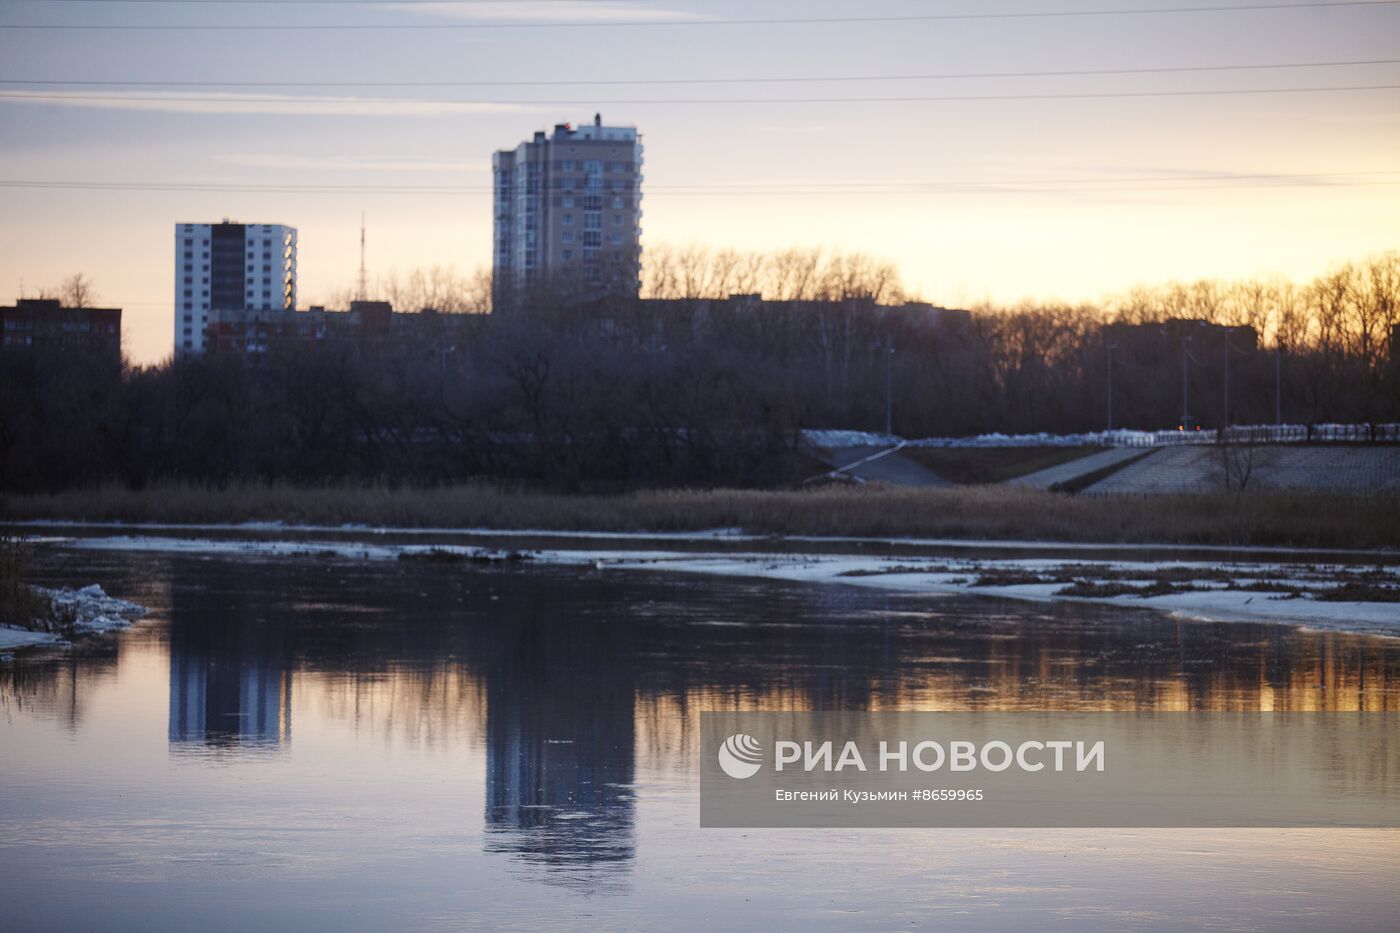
(363, 277)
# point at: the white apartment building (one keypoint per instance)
(230, 267)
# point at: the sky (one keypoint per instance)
(945, 137)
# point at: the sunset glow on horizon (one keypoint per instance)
(1028, 150)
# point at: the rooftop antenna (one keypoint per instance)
(362, 256)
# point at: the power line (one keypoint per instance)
(22, 96)
(799, 79)
(674, 23)
(334, 2)
(1054, 185)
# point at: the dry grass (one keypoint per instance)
(1353, 592)
(996, 512)
(1099, 589)
(20, 604)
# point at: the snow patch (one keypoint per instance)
(93, 610)
(1257, 434)
(948, 574)
(849, 439)
(23, 638)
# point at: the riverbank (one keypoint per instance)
(1289, 519)
(69, 614)
(1283, 586)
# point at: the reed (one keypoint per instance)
(969, 512)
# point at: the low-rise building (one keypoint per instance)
(366, 324)
(1155, 337)
(44, 323)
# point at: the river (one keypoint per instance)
(316, 741)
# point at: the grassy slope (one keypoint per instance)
(966, 512)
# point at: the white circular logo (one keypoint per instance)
(741, 756)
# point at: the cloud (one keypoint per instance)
(583, 11)
(261, 103)
(1103, 176)
(348, 163)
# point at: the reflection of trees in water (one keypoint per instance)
(902, 653)
(422, 705)
(579, 680)
(58, 684)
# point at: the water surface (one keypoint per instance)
(325, 742)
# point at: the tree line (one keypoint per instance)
(685, 387)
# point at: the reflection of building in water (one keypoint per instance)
(230, 680)
(220, 702)
(559, 759)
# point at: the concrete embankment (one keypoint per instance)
(1334, 468)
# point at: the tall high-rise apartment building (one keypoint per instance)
(568, 211)
(230, 267)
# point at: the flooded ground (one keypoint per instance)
(319, 741)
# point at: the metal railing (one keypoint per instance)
(1387, 433)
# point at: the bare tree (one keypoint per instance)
(76, 291)
(435, 288)
(1237, 463)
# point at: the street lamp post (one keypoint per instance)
(1185, 384)
(1226, 424)
(1109, 345)
(889, 390)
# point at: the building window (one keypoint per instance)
(568, 220)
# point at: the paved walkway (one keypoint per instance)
(894, 468)
(1074, 469)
